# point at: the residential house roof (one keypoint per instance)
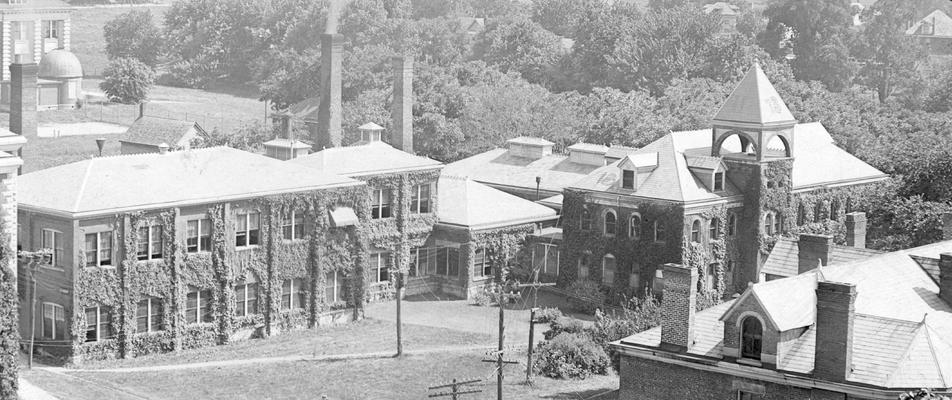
(901, 333)
(306, 110)
(817, 161)
(467, 203)
(936, 24)
(364, 159)
(501, 167)
(154, 131)
(754, 101)
(784, 258)
(108, 185)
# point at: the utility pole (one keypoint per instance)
(34, 259)
(535, 285)
(501, 298)
(455, 389)
(399, 288)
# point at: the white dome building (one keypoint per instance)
(60, 82)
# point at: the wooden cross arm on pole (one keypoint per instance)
(536, 284)
(503, 361)
(444, 394)
(455, 384)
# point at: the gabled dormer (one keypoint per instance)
(635, 168)
(710, 170)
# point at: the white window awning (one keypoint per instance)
(343, 216)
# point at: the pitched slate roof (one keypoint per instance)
(754, 101)
(902, 333)
(306, 110)
(937, 23)
(464, 202)
(817, 162)
(500, 167)
(155, 130)
(107, 185)
(784, 258)
(364, 159)
(619, 151)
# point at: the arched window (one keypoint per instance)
(583, 263)
(608, 270)
(658, 231)
(696, 231)
(801, 215)
(834, 209)
(714, 228)
(586, 221)
(731, 224)
(769, 223)
(818, 211)
(778, 224)
(751, 338)
(634, 226)
(610, 221)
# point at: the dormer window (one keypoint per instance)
(718, 181)
(752, 333)
(627, 179)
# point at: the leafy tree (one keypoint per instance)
(561, 17)
(816, 33)
(608, 115)
(939, 97)
(900, 223)
(519, 45)
(922, 394)
(127, 80)
(889, 56)
(134, 35)
(600, 28)
(692, 103)
(248, 137)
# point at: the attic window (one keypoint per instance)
(718, 181)
(751, 338)
(627, 179)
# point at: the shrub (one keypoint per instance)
(127, 80)
(564, 325)
(585, 296)
(635, 316)
(548, 315)
(570, 355)
(483, 298)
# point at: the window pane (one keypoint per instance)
(240, 300)
(191, 307)
(206, 235)
(91, 250)
(383, 263)
(155, 319)
(299, 228)
(441, 261)
(253, 229)
(105, 323)
(252, 298)
(286, 294)
(156, 242)
(300, 298)
(105, 248)
(206, 301)
(142, 252)
(453, 262)
(425, 198)
(191, 241)
(142, 316)
(91, 325)
(48, 316)
(330, 280)
(287, 226)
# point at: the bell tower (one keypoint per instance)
(753, 133)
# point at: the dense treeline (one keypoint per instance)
(600, 71)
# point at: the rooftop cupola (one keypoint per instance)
(529, 147)
(753, 122)
(370, 132)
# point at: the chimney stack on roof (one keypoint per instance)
(142, 109)
(947, 226)
(811, 248)
(856, 229)
(401, 110)
(23, 82)
(835, 312)
(678, 306)
(329, 111)
(945, 277)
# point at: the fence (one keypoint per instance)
(126, 114)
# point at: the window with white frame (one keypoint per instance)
(292, 226)
(198, 235)
(545, 258)
(718, 181)
(627, 179)
(769, 223)
(380, 265)
(714, 228)
(99, 249)
(481, 266)
(608, 270)
(198, 306)
(583, 264)
(696, 231)
(246, 230)
(149, 315)
(421, 261)
(585, 222)
(292, 294)
(380, 204)
(420, 199)
(634, 226)
(333, 287)
(150, 243)
(610, 223)
(246, 299)
(50, 29)
(54, 321)
(53, 240)
(98, 323)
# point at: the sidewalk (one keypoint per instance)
(29, 392)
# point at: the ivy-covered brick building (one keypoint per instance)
(154, 252)
(714, 199)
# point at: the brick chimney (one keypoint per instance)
(329, 111)
(814, 251)
(142, 109)
(402, 109)
(835, 311)
(23, 82)
(678, 305)
(856, 229)
(945, 277)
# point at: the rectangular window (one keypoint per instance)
(292, 294)
(742, 395)
(718, 181)
(50, 29)
(98, 323)
(627, 179)
(246, 232)
(481, 265)
(205, 305)
(191, 307)
(381, 266)
(380, 207)
(545, 258)
(292, 226)
(452, 266)
(149, 315)
(442, 257)
(246, 299)
(150, 243)
(199, 235)
(54, 321)
(198, 306)
(99, 249)
(333, 292)
(420, 199)
(53, 240)
(583, 263)
(608, 271)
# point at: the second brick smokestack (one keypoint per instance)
(23, 81)
(329, 112)
(401, 111)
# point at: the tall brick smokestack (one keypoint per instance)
(678, 305)
(401, 111)
(23, 77)
(329, 112)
